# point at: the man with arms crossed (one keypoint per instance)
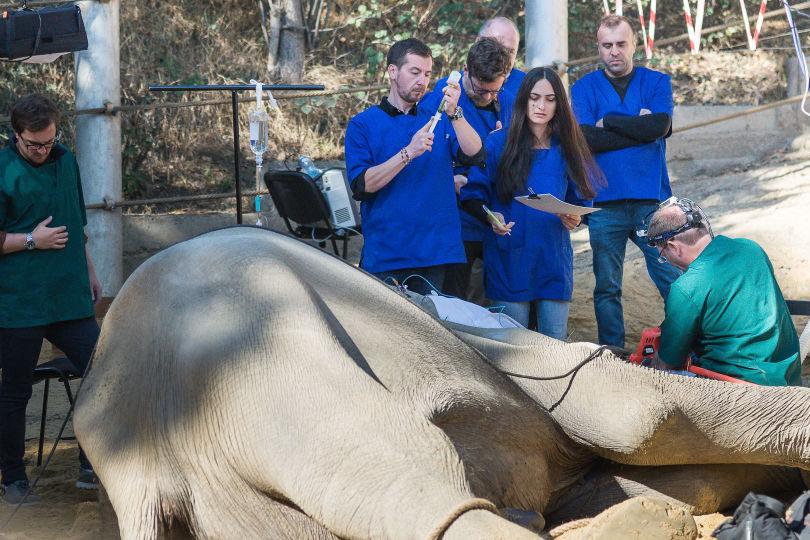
(626, 114)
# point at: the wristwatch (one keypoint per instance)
(458, 115)
(29, 241)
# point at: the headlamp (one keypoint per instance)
(695, 218)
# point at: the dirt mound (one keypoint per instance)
(639, 517)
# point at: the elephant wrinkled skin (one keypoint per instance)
(247, 385)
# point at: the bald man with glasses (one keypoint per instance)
(726, 311)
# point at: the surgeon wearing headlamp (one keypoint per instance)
(727, 309)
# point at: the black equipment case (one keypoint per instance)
(27, 32)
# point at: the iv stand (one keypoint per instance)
(234, 89)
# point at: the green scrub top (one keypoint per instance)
(728, 309)
(40, 287)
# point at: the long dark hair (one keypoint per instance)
(516, 160)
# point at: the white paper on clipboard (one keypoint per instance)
(549, 203)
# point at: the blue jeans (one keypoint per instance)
(19, 352)
(552, 315)
(419, 280)
(610, 229)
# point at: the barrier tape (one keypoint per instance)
(648, 36)
(753, 40)
(690, 30)
(640, 8)
(651, 35)
(759, 22)
(694, 31)
(701, 10)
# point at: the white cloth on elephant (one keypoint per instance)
(459, 311)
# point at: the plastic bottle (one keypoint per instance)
(308, 167)
(259, 120)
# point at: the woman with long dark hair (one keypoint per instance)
(529, 260)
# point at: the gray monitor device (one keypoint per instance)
(338, 195)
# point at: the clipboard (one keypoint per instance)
(549, 203)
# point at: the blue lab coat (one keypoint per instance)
(513, 81)
(483, 122)
(638, 172)
(536, 262)
(413, 221)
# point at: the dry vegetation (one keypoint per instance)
(188, 151)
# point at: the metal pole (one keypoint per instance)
(546, 32)
(234, 89)
(98, 137)
(235, 111)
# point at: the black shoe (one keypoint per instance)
(87, 479)
(14, 493)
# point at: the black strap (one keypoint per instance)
(37, 39)
(798, 307)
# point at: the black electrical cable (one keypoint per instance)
(595, 354)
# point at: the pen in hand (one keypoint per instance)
(497, 222)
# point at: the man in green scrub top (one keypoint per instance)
(727, 307)
(48, 285)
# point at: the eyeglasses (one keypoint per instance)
(39, 147)
(478, 91)
(661, 248)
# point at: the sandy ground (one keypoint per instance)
(769, 204)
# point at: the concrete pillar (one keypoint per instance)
(98, 137)
(546, 32)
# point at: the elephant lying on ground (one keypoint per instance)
(247, 385)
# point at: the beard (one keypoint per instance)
(480, 101)
(410, 95)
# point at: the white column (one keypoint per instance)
(98, 137)
(546, 32)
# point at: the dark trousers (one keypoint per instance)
(457, 280)
(419, 280)
(19, 352)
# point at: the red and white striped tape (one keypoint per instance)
(651, 33)
(696, 30)
(647, 36)
(760, 18)
(753, 40)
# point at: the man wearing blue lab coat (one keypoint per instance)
(505, 31)
(626, 114)
(403, 174)
(487, 107)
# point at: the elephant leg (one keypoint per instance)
(237, 511)
(702, 488)
(136, 507)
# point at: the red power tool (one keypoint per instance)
(648, 347)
